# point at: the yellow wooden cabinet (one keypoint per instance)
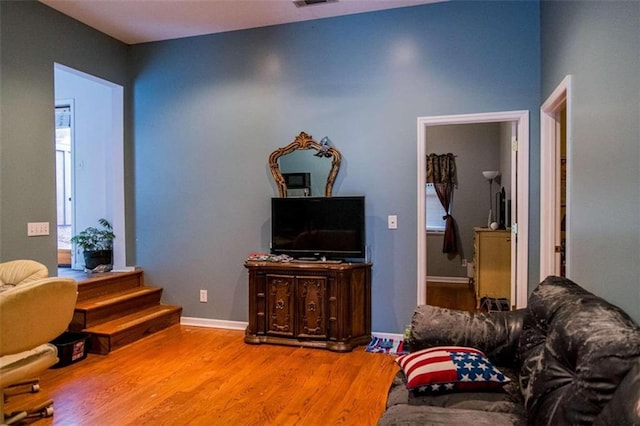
(492, 260)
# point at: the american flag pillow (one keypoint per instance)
(450, 368)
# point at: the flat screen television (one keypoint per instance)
(318, 227)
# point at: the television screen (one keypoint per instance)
(315, 227)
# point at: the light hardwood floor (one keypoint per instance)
(451, 295)
(203, 376)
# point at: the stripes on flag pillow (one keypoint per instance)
(449, 369)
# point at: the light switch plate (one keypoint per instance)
(35, 229)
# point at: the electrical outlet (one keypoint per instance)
(35, 229)
(470, 270)
(392, 221)
(203, 296)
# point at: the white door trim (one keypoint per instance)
(549, 196)
(520, 210)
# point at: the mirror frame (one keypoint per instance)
(303, 141)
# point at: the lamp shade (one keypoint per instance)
(490, 174)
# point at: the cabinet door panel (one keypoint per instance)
(493, 264)
(312, 307)
(280, 304)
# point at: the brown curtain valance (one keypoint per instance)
(441, 168)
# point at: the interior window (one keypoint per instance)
(435, 211)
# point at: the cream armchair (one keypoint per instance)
(19, 272)
(33, 311)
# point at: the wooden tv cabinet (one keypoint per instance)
(316, 305)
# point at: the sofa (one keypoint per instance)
(569, 358)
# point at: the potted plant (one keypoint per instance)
(97, 246)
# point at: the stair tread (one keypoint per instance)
(131, 320)
(115, 297)
(92, 286)
(86, 278)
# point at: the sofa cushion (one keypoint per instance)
(21, 271)
(450, 368)
(575, 349)
(406, 415)
(507, 400)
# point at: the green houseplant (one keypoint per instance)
(97, 246)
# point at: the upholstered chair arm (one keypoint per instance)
(35, 313)
(624, 407)
(21, 271)
(496, 333)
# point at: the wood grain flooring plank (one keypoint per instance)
(203, 376)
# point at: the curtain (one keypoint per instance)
(441, 172)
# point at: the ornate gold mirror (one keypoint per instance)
(305, 163)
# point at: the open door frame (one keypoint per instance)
(550, 136)
(519, 180)
(113, 175)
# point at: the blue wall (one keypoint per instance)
(208, 111)
(598, 43)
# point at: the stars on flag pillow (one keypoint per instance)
(450, 369)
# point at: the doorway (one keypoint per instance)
(555, 181)
(520, 199)
(64, 190)
(96, 169)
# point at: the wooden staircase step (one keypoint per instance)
(104, 308)
(119, 332)
(97, 285)
(116, 308)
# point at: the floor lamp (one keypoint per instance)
(490, 175)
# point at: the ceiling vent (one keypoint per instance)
(304, 3)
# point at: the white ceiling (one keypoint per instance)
(139, 21)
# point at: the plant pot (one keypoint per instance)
(95, 258)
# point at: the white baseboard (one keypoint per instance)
(242, 325)
(126, 269)
(213, 323)
(453, 280)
